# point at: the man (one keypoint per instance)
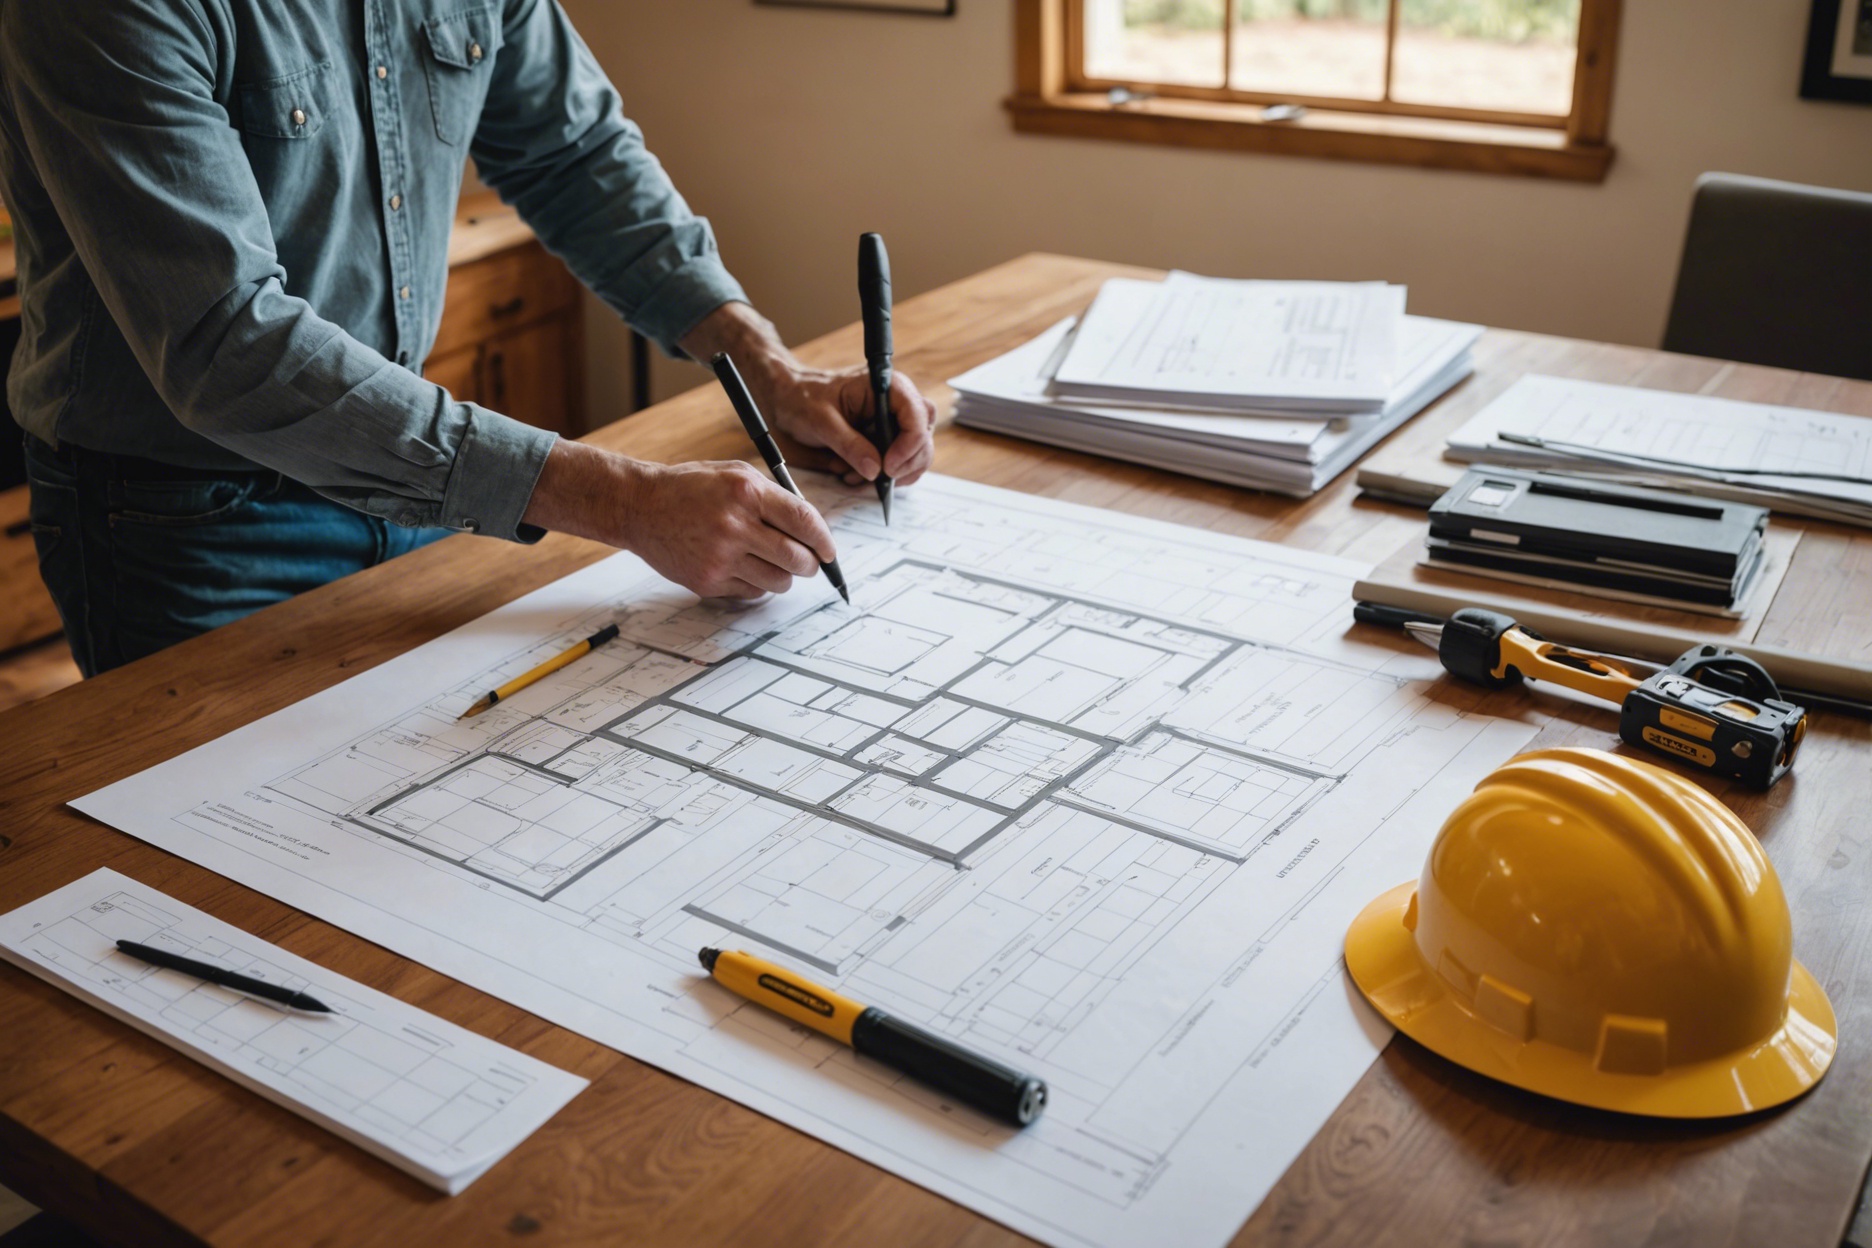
(232, 219)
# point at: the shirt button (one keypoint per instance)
(298, 117)
(403, 293)
(383, 72)
(396, 202)
(474, 51)
(471, 526)
(402, 357)
(407, 519)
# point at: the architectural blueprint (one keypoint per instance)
(432, 1099)
(1792, 459)
(1095, 795)
(1257, 346)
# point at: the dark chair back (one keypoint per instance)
(1776, 273)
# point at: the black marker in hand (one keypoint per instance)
(874, 298)
(756, 426)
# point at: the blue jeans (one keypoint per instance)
(140, 555)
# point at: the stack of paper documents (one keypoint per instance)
(1294, 449)
(1238, 346)
(1791, 460)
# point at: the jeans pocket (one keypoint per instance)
(45, 469)
(51, 500)
(46, 539)
(61, 568)
(183, 503)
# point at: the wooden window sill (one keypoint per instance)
(1476, 147)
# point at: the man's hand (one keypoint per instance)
(723, 530)
(821, 417)
(719, 529)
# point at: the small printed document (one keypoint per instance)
(1789, 459)
(433, 1100)
(1094, 795)
(1323, 347)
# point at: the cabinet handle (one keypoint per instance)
(510, 308)
(19, 528)
(497, 379)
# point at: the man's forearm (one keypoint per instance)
(747, 337)
(584, 491)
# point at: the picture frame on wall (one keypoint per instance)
(1839, 52)
(916, 8)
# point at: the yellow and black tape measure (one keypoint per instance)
(1713, 708)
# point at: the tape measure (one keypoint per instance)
(1712, 709)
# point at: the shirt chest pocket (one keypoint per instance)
(462, 47)
(294, 107)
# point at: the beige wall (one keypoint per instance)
(795, 130)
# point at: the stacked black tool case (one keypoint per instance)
(1550, 527)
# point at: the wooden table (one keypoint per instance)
(124, 1136)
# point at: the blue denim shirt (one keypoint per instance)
(232, 221)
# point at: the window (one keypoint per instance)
(1513, 86)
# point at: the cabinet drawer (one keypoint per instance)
(501, 292)
(458, 372)
(528, 375)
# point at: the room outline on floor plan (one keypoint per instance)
(775, 709)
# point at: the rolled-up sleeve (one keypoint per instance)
(116, 104)
(554, 142)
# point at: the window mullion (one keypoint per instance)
(1390, 43)
(1228, 42)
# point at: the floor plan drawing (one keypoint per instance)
(1093, 794)
(409, 1082)
(442, 1103)
(1240, 345)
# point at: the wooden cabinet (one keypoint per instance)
(524, 374)
(458, 372)
(510, 338)
(26, 611)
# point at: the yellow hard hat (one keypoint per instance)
(1600, 930)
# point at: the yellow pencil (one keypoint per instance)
(544, 670)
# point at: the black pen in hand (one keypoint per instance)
(227, 979)
(874, 301)
(730, 378)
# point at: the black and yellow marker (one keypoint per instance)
(970, 1078)
(608, 633)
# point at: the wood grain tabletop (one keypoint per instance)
(138, 1144)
